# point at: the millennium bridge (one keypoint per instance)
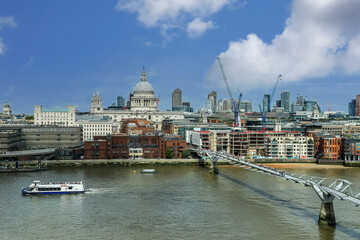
(327, 189)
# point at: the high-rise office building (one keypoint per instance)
(176, 97)
(300, 100)
(120, 101)
(352, 105)
(285, 101)
(309, 106)
(224, 105)
(211, 104)
(213, 95)
(266, 103)
(278, 103)
(357, 106)
(245, 106)
(295, 107)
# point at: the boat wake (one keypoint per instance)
(101, 190)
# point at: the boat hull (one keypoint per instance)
(24, 192)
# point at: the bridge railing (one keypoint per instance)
(339, 188)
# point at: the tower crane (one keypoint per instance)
(128, 101)
(263, 111)
(235, 106)
(157, 101)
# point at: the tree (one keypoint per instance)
(169, 153)
(186, 153)
(29, 117)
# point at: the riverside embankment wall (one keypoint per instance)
(110, 162)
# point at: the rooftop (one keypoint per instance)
(54, 110)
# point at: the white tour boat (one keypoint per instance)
(148, 171)
(38, 187)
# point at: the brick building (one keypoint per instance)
(175, 143)
(133, 146)
(328, 146)
(136, 126)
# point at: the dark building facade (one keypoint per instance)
(266, 103)
(176, 97)
(357, 106)
(352, 105)
(10, 140)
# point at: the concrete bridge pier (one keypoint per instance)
(327, 213)
(214, 166)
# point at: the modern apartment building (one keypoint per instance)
(290, 147)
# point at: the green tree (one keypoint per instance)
(186, 153)
(169, 153)
(29, 117)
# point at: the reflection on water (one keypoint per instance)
(179, 202)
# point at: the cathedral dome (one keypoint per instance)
(143, 86)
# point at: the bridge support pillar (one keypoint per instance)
(214, 166)
(327, 213)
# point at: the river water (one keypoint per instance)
(179, 202)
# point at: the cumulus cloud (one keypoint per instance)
(5, 21)
(197, 27)
(174, 14)
(320, 37)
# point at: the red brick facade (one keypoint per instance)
(117, 146)
(328, 146)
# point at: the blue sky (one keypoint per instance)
(57, 53)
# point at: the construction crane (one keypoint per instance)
(235, 107)
(238, 107)
(158, 100)
(265, 111)
(128, 102)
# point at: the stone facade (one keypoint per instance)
(143, 98)
(143, 106)
(98, 128)
(6, 111)
(54, 116)
(96, 104)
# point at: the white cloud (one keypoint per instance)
(320, 38)
(30, 62)
(2, 46)
(5, 21)
(171, 14)
(197, 27)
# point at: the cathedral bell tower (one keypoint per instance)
(96, 104)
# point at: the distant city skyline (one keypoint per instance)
(52, 60)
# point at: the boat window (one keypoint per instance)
(70, 187)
